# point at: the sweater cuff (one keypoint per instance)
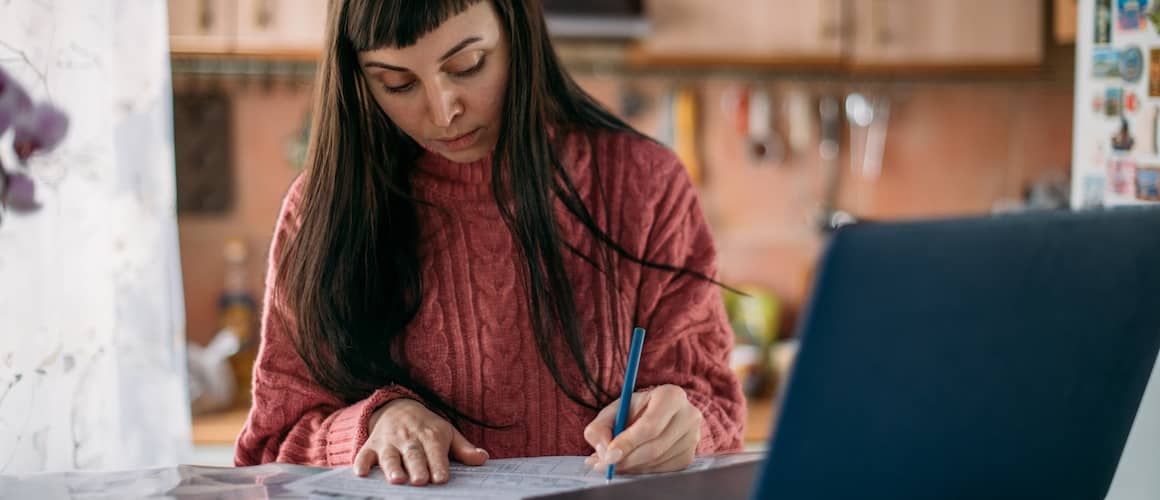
(349, 427)
(718, 433)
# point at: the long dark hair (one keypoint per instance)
(352, 274)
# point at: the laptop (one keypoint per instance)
(999, 357)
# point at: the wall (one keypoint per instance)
(952, 148)
(92, 367)
(266, 120)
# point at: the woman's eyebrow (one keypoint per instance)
(460, 46)
(377, 64)
(447, 55)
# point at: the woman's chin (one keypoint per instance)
(464, 156)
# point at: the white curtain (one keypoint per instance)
(92, 360)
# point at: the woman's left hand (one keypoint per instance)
(661, 435)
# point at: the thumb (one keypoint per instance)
(466, 453)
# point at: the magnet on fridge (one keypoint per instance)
(1155, 129)
(1122, 176)
(1098, 103)
(1131, 64)
(1131, 14)
(1148, 183)
(1123, 140)
(1103, 17)
(1113, 101)
(1105, 62)
(1153, 16)
(1131, 102)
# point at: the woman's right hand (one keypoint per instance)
(409, 442)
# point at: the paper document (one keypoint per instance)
(261, 482)
(499, 478)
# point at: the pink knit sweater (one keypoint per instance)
(472, 341)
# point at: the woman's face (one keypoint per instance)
(447, 90)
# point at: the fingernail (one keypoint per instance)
(397, 476)
(614, 455)
(485, 453)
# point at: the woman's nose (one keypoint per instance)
(443, 104)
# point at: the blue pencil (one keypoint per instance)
(626, 391)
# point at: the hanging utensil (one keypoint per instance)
(859, 115)
(765, 145)
(876, 137)
(799, 120)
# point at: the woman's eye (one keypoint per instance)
(469, 71)
(399, 89)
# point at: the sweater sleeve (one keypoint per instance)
(293, 419)
(689, 340)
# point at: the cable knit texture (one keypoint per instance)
(472, 340)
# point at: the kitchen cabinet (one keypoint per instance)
(852, 35)
(945, 33)
(280, 26)
(757, 32)
(201, 26)
(261, 28)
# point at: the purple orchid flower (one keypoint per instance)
(40, 129)
(19, 193)
(14, 101)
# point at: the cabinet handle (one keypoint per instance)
(831, 25)
(880, 20)
(264, 15)
(205, 15)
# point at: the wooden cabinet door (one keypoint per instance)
(201, 26)
(743, 31)
(281, 27)
(946, 33)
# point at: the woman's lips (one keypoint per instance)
(460, 143)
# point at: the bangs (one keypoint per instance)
(373, 24)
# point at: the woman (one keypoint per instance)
(457, 272)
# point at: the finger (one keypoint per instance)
(466, 453)
(677, 457)
(599, 431)
(437, 461)
(684, 452)
(415, 461)
(679, 461)
(392, 465)
(658, 449)
(364, 460)
(648, 426)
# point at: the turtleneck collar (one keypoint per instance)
(437, 176)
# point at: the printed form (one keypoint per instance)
(498, 479)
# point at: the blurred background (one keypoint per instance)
(792, 117)
(130, 303)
